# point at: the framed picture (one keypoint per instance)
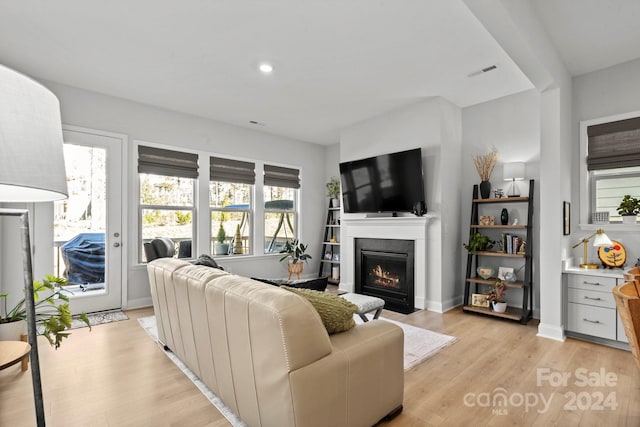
(480, 300)
(566, 218)
(502, 271)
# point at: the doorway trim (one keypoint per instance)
(124, 201)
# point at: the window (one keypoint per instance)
(613, 164)
(280, 206)
(167, 184)
(230, 194)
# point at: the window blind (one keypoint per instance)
(228, 170)
(614, 144)
(159, 161)
(278, 176)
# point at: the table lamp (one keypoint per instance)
(601, 239)
(31, 170)
(513, 172)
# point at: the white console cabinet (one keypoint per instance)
(590, 310)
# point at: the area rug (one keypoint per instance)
(419, 344)
(97, 318)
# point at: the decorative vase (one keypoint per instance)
(504, 216)
(295, 268)
(485, 272)
(11, 331)
(485, 189)
(499, 307)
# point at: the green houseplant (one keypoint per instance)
(221, 247)
(629, 207)
(52, 311)
(295, 252)
(478, 242)
(333, 191)
(496, 296)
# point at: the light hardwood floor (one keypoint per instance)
(116, 376)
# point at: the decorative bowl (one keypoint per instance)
(485, 272)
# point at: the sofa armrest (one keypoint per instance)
(360, 382)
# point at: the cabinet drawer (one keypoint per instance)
(599, 299)
(592, 283)
(590, 320)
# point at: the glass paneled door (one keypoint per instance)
(87, 225)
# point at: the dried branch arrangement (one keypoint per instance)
(485, 163)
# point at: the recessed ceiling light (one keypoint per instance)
(265, 68)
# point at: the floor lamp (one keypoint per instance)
(31, 170)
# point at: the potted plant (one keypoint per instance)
(485, 163)
(221, 247)
(478, 242)
(496, 296)
(629, 208)
(295, 253)
(333, 191)
(52, 312)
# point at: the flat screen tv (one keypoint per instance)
(386, 183)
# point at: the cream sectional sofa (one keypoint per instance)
(265, 352)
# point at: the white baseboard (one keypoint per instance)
(551, 331)
(138, 303)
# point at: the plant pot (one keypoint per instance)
(485, 189)
(220, 248)
(335, 202)
(11, 331)
(629, 219)
(295, 268)
(499, 307)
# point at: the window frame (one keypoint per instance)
(587, 180)
(250, 215)
(142, 207)
(294, 211)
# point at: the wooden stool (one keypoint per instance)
(12, 352)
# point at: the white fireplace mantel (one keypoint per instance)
(405, 228)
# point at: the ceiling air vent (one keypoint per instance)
(482, 71)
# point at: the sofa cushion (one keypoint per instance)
(336, 313)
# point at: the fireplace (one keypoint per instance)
(384, 268)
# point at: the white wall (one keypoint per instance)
(433, 125)
(605, 93)
(511, 125)
(146, 123)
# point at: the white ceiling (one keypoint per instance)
(592, 34)
(337, 62)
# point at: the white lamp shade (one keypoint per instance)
(31, 143)
(513, 171)
(602, 239)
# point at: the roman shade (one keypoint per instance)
(159, 161)
(614, 144)
(228, 170)
(278, 176)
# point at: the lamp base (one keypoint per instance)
(589, 266)
(513, 195)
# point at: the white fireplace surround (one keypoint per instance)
(404, 228)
